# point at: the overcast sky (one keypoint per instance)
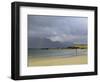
(58, 28)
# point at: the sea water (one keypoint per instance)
(56, 52)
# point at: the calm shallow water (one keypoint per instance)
(56, 52)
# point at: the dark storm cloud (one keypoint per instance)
(57, 28)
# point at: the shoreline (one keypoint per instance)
(53, 61)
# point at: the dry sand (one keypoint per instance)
(51, 61)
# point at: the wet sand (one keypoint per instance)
(51, 61)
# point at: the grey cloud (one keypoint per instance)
(58, 28)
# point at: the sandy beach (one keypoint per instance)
(51, 61)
